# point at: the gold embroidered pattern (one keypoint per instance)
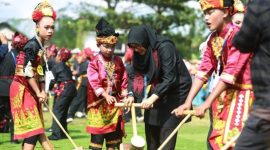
(217, 43)
(205, 4)
(110, 67)
(17, 103)
(27, 120)
(94, 145)
(107, 40)
(102, 116)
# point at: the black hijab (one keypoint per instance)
(145, 36)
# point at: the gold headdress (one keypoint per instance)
(43, 9)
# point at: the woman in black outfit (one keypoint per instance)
(157, 63)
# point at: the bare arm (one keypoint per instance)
(196, 86)
(40, 94)
(34, 85)
(221, 86)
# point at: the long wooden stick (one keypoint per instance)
(173, 133)
(134, 124)
(124, 105)
(186, 112)
(228, 144)
(59, 124)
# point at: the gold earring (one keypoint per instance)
(37, 31)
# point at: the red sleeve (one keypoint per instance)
(93, 77)
(234, 63)
(207, 65)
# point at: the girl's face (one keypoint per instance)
(107, 49)
(214, 18)
(138, 48)
(237, 19)
(45, 28)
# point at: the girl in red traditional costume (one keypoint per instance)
(232, 96)
(27, 89)
(107, 84)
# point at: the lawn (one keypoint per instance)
(192, 136)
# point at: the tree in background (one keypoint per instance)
(172, 18)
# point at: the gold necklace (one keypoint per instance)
(217, 43)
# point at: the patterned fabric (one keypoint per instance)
(229, 111)
(102, 118)
(43, 9)
(208, 4)
(239, 6)
(107, 40)
(254, 37)
(26, 112)
(25, 107)
(231, 108)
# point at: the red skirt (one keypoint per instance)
(229, 113)
(25, 109)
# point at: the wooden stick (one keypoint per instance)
(173, 133)
(228, 144)
(124, 105)
(59, 124)
(133, 117)
(186, 112)
(189, 112)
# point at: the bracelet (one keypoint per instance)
(130, 94)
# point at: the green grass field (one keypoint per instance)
(192, 136)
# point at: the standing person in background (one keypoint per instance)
(232, 96)
(239, 13)
(107, 84)
(74, 63)
(51, 54)
(79, 103)
(7, 71)
(130, 73)
(157, 63)
(3, 46)
(254, 36)
(28, 86)
(65, 91)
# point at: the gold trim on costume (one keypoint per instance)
(243, 86)
(19, 70)
(94, 145)
(107, 40)
(114, 141)
(229, 119)
(217, 43)
(205, 5)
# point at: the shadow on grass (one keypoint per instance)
(80, 136)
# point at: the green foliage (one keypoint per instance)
(172, 18)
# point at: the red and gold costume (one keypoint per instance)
(105, 75)
(230, 109)
(25, 106)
